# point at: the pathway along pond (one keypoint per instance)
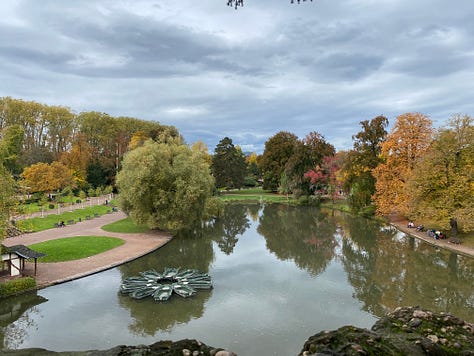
(280, 274)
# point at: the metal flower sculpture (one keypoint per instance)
(160, 286)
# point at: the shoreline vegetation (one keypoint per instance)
(260, 196)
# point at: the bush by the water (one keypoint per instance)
(16, 286)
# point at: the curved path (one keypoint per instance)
(136, 245)
(458, 248)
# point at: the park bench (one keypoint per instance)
(96, 215)
(70, 222)
(88, 217)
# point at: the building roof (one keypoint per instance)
(25, 252)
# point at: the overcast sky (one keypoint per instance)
(270, 66)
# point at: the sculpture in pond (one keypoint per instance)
(160, 286)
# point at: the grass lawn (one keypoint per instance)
(48, 221)
(74, 248)
(126, 226)
(254, 194)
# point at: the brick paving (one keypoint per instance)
(136, 245)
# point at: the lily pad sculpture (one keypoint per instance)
(160, 286)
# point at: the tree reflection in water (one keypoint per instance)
(385, 268)
(304, 235)
(389, 269)
(16, 317)
(225, 231)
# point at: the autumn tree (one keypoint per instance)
(228, 165)
(253, 173)
(278, 150)
(359, 163)
(109, 138)
(165, 185)
(442, 184)
(43, 177)
(402, 150)
(77, 159)
(308, 153)
(201, 148)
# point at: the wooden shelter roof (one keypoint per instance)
(25, 252)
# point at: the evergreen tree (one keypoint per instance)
(228, 165)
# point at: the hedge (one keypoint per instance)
(16, 286)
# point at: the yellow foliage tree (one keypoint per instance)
(78, 159)
(442, 184)
(43, 177)
(402, 150)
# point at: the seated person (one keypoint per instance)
(420, 228)
(411, 224)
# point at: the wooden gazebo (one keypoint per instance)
(16, 256)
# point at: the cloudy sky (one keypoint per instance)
(270, 66)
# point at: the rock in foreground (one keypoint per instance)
(405, 331)
(160, 348)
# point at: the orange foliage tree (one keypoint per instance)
(78, 159)
(403, 148)
(43, 177)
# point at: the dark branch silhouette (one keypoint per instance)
(236, 3)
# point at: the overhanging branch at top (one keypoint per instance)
(236, 3)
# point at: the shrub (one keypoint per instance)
(16, 286)
(368, 211)
(51, 206)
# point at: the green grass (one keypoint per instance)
(74, 248)
(126, 226)
(253, 194)
(48, 221)
(35, 207)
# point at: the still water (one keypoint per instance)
(280, 274)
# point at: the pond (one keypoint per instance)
(280, 275)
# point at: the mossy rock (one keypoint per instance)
(405, 331)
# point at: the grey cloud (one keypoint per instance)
(247, 74)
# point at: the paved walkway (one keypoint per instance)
(136, 245)
(458, 248)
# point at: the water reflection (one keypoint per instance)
(389, 269)
(20, 310)
(225, 231)
(280, 274)
(304, 235)
(150, 317)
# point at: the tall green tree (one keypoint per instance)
(7, 195)
(442, 184)
(10, 147)
(165, 185)
(278, 150)
(228, 165)
(358, 164)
